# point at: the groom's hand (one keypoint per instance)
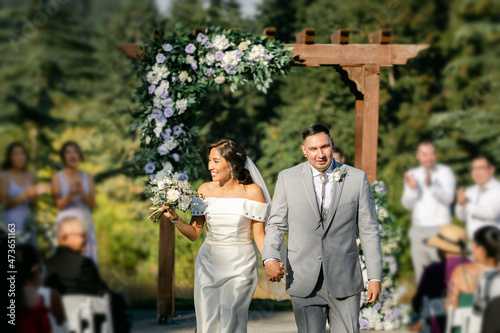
(275, 270)
(374, 290)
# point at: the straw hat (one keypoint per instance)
(449, 239)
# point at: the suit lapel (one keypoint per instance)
(336, 194)
(307, 181)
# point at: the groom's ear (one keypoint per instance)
(303, 149)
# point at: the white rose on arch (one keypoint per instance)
(220, 42)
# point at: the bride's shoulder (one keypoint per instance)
(206, 189)
(255, 193)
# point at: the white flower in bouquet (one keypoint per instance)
(169, 191)
(173, 195)
(167, 166)
(220, 42)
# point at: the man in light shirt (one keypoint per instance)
(479, 205)
(428, 192)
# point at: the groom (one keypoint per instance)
(321, 204)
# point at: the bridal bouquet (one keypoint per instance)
(169, 191)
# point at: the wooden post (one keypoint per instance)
(367, 123)
(166, 272)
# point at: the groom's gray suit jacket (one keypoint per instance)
(295, 211)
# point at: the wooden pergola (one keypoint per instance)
(359, 67)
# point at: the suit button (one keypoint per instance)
(319, 258)
(324, 237)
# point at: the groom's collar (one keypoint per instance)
(328, 171)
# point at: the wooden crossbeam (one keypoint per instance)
(340, 36)
(270, 33)
(382, 36)
(354, 54)
(306, 36)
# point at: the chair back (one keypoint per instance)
(491, 322)
(463, 318)
(88, 314)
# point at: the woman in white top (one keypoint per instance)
(226, 264)
(73, 191)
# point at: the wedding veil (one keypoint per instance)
(257, 179)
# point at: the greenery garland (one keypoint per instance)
(388, 313)
(176, 70)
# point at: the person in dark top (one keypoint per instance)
(450, 243)
(70, 272)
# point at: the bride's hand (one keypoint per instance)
(169, 212)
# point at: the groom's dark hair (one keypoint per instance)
(314, 129)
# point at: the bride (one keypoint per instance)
(226, 265)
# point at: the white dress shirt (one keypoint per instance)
(430, 205)
(318, 187)
(483, 207)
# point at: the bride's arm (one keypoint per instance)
(259, 228)
(191, 230)
(259, 232)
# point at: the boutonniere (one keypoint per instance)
(340, 173)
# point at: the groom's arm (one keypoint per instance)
(369, 232)
(277, 223)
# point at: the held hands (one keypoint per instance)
(275, 270)
(374, 291)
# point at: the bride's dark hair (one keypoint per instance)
(236, 156)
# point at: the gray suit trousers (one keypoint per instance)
(312, 312)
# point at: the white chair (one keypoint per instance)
(463, 318)
(81, 308)
(431, 308)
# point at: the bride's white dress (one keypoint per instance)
(226, 265)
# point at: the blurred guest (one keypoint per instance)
(18, 191)
(70, 272)
(465, 278)
(33, 312)
(338, 155)
(479, 205)
(73, 192)
(428, 192)
(488, 289)
(450, 243)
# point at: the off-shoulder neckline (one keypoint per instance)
(254, 201)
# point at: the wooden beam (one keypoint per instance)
(354, 54)
(306, 36)
(340, 36)
(382, 36)
(132, 51)
(270, 33)
(166, 272)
